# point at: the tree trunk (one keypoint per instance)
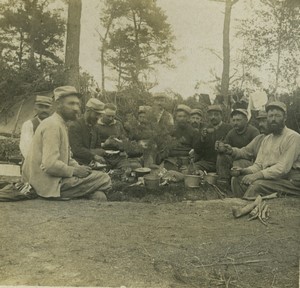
(277, 76)
(226, 53)
(73, 44)
(102, 70)
(33, 32)
(136, 72)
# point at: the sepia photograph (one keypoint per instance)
(150, 143)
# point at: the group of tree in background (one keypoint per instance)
(135, 38)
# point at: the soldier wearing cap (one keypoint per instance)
(110, 127)
(250, 151)
(42, 110)
(84, 134)
(204, 147)
(239, 136)
(242, 132)
(184, 135)
(113, 137)
(163, 117)
(49, 167)
(196, 118)
(277, 165)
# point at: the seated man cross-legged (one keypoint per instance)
(49, 167)
(277, 166)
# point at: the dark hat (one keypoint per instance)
(276, 104)
(196, 111)
(184, 108)
(44, 100)
(239, 111)
(96, 105)
(64, 91)
(261, 114)
(214, 108)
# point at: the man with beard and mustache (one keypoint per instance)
(204, 146)
(49, 167)
(42, 109)
(277, 165)
(84, 134)
(239, 136)
(184, 135)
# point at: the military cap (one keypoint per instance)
(276, 104)
(185, 108)
(96, 105)
(64, 91)
(261, 114)
(196, 111)
(239, 111)
(214, 108)
(43, 100)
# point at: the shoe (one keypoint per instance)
(98, 196)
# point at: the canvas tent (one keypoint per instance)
(12, 118)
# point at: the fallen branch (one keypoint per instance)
(238, 212)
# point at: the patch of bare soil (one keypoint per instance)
(179, 244)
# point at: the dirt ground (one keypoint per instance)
(150, 242)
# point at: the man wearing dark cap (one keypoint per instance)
(84, 134)
(204, 147)
(195, 119)
(239, 136)
(49, 167)
(277, 165)
(42, 110)
(184, 135)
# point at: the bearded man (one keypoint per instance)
(84, 134)
(49, 167)
(277, 166)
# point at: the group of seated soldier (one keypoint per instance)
(268, 158)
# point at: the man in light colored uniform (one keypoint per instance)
(277, 164)
(42, 108)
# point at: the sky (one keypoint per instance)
(197, 26)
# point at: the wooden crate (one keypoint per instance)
(10, 173)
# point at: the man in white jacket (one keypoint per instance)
(42, 108)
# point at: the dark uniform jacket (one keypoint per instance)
(83, 139)
(205, 148)
(242, 139)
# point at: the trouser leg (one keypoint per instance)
(265, 187)
(75, 187)
(223, 166)
(205, 166)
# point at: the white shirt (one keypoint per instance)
(26, 137)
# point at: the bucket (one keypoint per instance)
(151, 182)
(211, 178)
(192, 181)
